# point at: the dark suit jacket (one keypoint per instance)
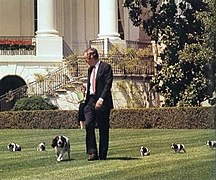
(104, 80)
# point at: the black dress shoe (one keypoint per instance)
(92, 157)
(103, 158)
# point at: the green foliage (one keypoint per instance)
(210, 22)
(72, 62)
(33, 103)
(188, 82)
(166, 118)
(195, 61)
(135, 61)
(39, 77)
(133, 93)
(130, 59)
(186, 75)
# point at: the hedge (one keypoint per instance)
(179, 118)
(38, 119)
(190, 118)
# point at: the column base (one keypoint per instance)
(49, 47)
(47, 33)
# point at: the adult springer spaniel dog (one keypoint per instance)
(61, 144)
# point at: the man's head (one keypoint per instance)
(91, 56)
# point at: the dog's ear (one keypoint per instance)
(54, 142)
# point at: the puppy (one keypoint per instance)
(144, 151)
(14, 147)
(211, 144)
(178, 147)
(61, 144)
(41, 146)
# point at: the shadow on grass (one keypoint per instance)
(65, 160)
(122, 158)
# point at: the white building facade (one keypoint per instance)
(53, 24)
(37, 35)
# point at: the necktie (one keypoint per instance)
(93, 78)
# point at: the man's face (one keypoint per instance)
(90, 61)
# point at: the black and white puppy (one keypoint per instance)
(14, 147)
(211, 144)
(144, 151)
(178, 147)
(61, 144)
(41, 146)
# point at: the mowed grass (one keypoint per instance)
(124, 160)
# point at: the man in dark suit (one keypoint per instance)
(98, 104)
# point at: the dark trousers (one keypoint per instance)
(100, 118)
(81, 116)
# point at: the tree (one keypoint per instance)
(185, 75)
(210, 23)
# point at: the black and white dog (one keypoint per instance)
(211, 144)
(178, 147)
(61, 144)
(14, 147)
(41, 146)
(144, 151)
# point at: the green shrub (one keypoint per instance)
(33, 103)
(145, 118)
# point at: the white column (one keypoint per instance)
(48, 42)
(46, 18)
(108, 19)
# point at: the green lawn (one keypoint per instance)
(124, 161)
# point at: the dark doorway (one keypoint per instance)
(10, 82)
(7, 85)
